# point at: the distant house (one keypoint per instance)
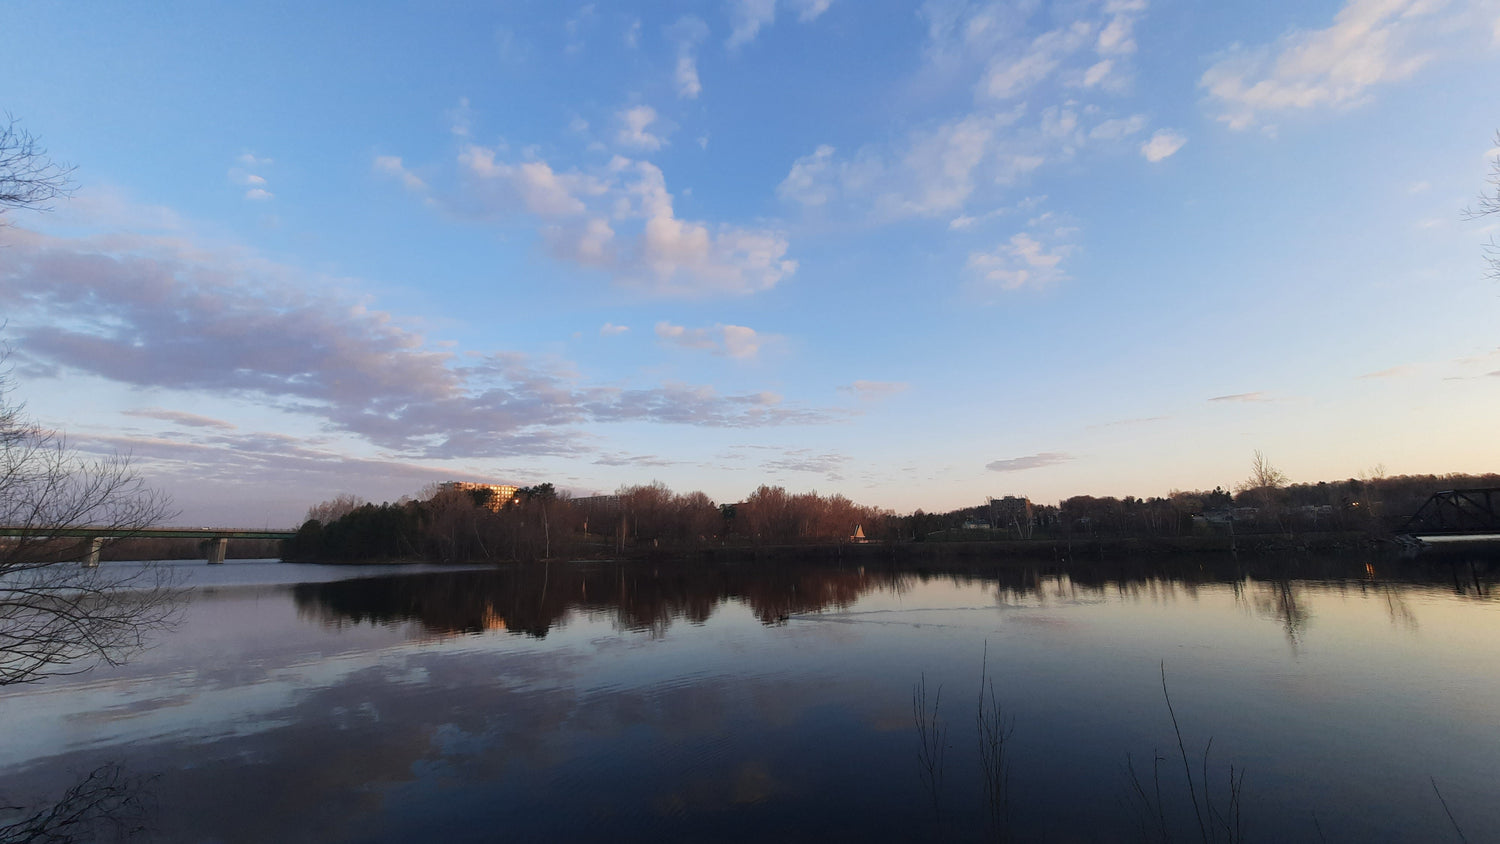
(1227, 516)
(973, 523)
(1015, 513)
(859, 534)
(597, 503)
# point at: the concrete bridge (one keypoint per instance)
(95, 536)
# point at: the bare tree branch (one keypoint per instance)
(1488, 206)
(28, 178)
(58, 616)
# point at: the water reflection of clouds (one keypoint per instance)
(385, 729)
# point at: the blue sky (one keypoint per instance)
(915, 253)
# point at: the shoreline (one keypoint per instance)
(1089, 551)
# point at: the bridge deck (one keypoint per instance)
(150, 533)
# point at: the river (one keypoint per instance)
(1357, 700)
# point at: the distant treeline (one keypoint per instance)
(540, 522)
(1375, 504)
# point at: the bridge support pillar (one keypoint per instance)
(216, 549)
(91, 559)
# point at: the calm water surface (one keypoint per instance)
(302, 703)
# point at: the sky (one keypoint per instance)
(915, 253)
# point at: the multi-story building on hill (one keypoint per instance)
(500, 494)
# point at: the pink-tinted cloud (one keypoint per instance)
(177, 417)
(159, 312)
(1244, 397)
(1030, 461)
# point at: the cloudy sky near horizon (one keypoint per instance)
(918, 253)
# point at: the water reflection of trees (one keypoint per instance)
(534, 599)
(106, 805)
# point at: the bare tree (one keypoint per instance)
(1263, 487)
(28, 178)
(1264, 476)
(56, 615)
(335, 508)
(1489, 206)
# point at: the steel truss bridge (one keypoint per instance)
(1456, 514)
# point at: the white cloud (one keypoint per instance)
(1116, 37)
(633, 129)
(1030, 461)
(391, 165)
(958, 168)
(1097, 72)
(933, 174)
(686, 77)
(735, 341)
(1163, 144)
(677, 335)
(944, 162)
(510, 47)
(257, 186)
(461, 118)
(633, 34)
(1370, 43)
(1089, 49)
(621, 219)
(1012, 76)
(177, 417)
(609, 329)
(741, 342)
(1257, 396)
(806, 183)
(810, 10)
(1021, 262)
(965, 222)
(807, 460)
(591, 244)
(688, 32)
(540, 189)
(875, 390)
(747, 17)
(577, 26)
(1402, 371)
(1117, 128)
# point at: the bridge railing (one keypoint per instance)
(94, 537)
